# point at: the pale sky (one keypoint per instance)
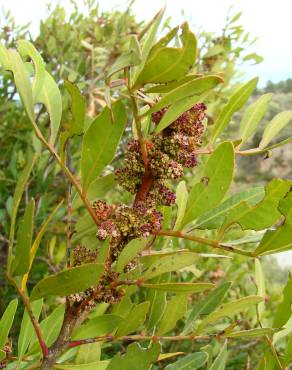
(269, 21)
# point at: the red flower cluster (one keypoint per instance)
(168, 153)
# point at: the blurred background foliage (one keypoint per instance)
(81, 47)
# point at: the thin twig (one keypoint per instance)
(126, 338)
(33, 320)
(212, 243)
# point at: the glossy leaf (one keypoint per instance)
(99, 325)
(214, 184)
(173, 262)
(78, 109)
(174, 311)
(229, 309)
(72, 280)
(164, 63)
(134, 320)
(6, 321)
(252, 117)
(234, 104)
(274, 127)
(206, 306)
(189, 362)
(100, 142)
(21, 262)
(136, 358)
(179, 287)
(181, 200)
(129, 252)
(221, 359)
(186, 90)
(215, 217)
(26, 330)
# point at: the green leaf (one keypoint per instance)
(136, 358)
(129, 252)
(253, 56)
(26, 330)
(77, 107)
(180, 287)
(132, 57)
(215, 217)
(18, 192)
(284, 311)
(175, 310)
(173, 262)
(262, 215)
(186, 90)
(50, 96)
(181, 200)
(221, 359)
(165, 88)
(175, 111)
(99, 365)
(88, 353)
(97, 189)
(216, 180)
(99, 325)
(149, 41)
(206, 306)
(6, 321)
(261, 286)
(26, 48)
(166, 64)
(100, 142)
(134, 319)
(21, 262)
(234, 104)
(41, 233)
(124, 307)
(213, 51)
(50, 328)
(189, 362)
(157, 299)
(279, 240)
(229, 309)
(252, 117)
(251, 333)
(22, 82)
(72, 280)
(274, 127)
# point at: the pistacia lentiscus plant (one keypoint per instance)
(126, 293)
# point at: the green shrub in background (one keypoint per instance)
(124, 193)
